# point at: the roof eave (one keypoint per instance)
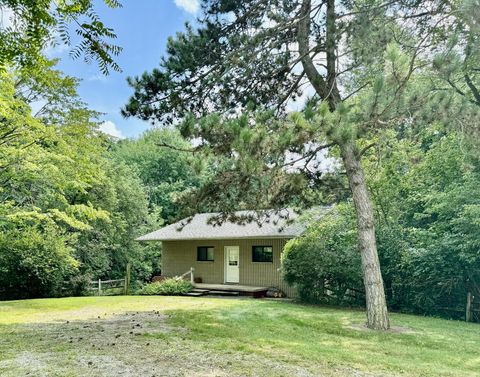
(282, 236)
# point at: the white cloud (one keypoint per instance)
(111, 129)
(97, 77)
(190, 6)
(55, 49)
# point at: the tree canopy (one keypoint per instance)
(161, 159)
(60, 191)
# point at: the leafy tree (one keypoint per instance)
(356, 57)
(47, 167)
(45, 173)
(49, 91)
(105, 249)
(428, 236)
(35, 256)
(166, 170)
(33, 25)
(67, 209)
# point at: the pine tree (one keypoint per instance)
(357, 58)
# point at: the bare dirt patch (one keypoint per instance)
(129, 344)
(183, 338)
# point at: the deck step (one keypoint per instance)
(199, 290)
(195, 294)
(224, 293)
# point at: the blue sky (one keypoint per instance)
(142, 28)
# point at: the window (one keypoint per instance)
(205, 253)
(262, 254)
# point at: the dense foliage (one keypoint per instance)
(425, 190)
(166, 170)
(324, 263)
(431, 187)
(109, 244)
(73, 200)
(70, 207)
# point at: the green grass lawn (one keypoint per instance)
(180, 336)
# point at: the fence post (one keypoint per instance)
(468, 310)
(127, 278)
(99, 287)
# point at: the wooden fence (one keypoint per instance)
(470, 312)
(472, 309)
(114, 286)
(102, 287)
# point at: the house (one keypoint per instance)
(245, 255)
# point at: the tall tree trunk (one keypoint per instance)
(377, 315)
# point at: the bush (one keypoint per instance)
(168, 287)
(35, 261)
(324, 263)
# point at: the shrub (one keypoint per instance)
(168, 287)
(35, 260)
(324, 263)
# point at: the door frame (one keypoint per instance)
(225, 260)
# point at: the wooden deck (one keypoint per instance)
(244, 290)
(230, 287)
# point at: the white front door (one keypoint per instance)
(232, 264)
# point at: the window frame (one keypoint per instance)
(206, 253)
(263, 253)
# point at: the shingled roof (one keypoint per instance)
(198, 228)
